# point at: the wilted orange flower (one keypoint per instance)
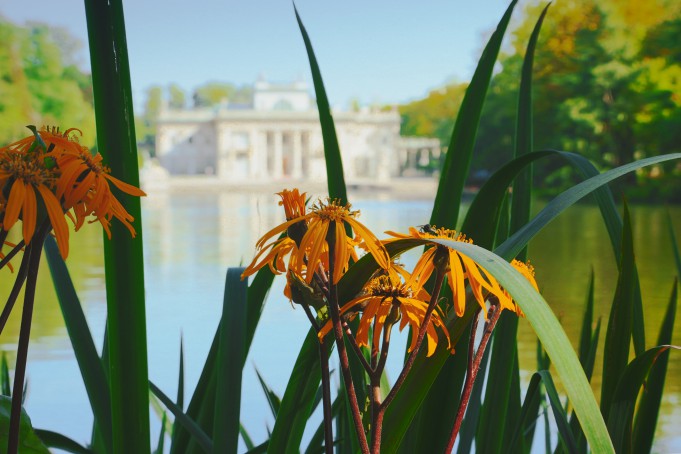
(84, 186)
(66, 176)
(459, 268)
(26, 173)
(387, 294)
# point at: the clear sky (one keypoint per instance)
(375, 51)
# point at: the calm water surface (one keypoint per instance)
(191, 238)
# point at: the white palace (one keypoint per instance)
(278, 137)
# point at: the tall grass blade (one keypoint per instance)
(459, 153)
(181, 418)
(5, 384)
(623, 401)
(248, 441)
(296, 405)
(675, 245)
(180, 378)
(62, 442)
(272, 399)
(616, 349)
(123, 255)
(419, 381)
(334, 164)
(89, 362)
(553, 338)
(651, 398)
(516, 242)
(231, 357)
(160, 446)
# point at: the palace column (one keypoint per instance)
(278, 168)
(297, 155)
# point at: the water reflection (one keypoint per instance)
(192, 237)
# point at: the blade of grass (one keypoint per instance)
(623, 401)
(616, 349)
(459, 153)
(272, 399)
(231, 357)
(58, 441)
(334, 163)
(553, 338)
(181, 418)
(123, 255)
(89, 362)
(4, 376)
(161, 436)
(296, 405)
(408, 400)
(248, 441)
(649, 405)
(675, 245)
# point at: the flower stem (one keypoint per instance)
(334, 310)
(473, 368)
(10, 255)
(377, 411)
(14, 294)
(33, 251)
(439, 278)
(326, 386)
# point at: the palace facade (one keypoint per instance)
(278, 137)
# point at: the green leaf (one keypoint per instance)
(420, 379)
(29, 443)
(246, 437)
(526, 416)
(552, 336)
(59, 441)
(231, 357)
(623, 400)
(296, 405)
(181, 418)
(649, 404)
(675, 245)
(272, 399)
(180, 378)
(89, 362)
(616, 350)
(161, 436)
(518, 240)
(4, 376)
(460, 150)
(123, 257)
(334, 164)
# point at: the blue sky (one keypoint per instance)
(375, 51)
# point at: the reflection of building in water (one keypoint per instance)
(278, 136)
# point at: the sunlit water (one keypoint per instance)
(191, 238)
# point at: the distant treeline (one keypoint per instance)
(607, 84)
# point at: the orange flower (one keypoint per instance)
(459, 268)
(310, 231)
(26, 173)
(386, 295)
(527, 271)
(84, 186)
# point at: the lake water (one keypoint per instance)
(192, 237)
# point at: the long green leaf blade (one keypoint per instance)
(624, 398)
(59, 441)
(181, 418)
(296, 405)
(616, 349)
(231, 356)
(460, 150)
(126, 315)
(334, 164)
(649, 405)
(553, 338)
(89, 362)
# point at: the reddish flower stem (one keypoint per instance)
(10, 255)
(473, 369)
(439, 278)
(326, 387)
(377, 411)
(334, 309)
(34, 251)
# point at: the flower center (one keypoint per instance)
(333, 211)
(29, 168)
